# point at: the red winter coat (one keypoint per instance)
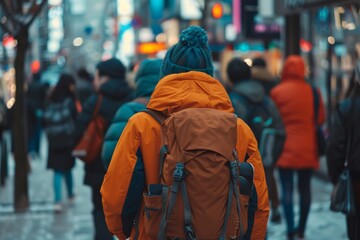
(295, 101)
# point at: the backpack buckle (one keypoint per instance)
(234, 170)
(179, 172)
(189, 232)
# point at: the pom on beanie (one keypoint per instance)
(238, 70)
(191, 53)
(113, 68)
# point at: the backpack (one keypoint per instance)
(259, 119)
(59, 124)
(204, 190)
(89, 147)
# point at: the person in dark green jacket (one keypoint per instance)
(146, 79)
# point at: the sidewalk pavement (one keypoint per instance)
(41, 222)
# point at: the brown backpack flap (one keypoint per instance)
(89, 147)
(202, 129)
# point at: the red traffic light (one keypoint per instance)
(217, 11)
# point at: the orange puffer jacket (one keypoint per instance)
(173, 93)
(295, 101)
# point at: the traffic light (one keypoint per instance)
(217, 10)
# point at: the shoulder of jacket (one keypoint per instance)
(238, 97)
(127, 110)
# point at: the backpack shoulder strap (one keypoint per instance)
(158, 116)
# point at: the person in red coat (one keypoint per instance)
(295, 101)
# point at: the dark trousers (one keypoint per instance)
(353, 222)
(353, 227)
(101, 230)
(34, 136)
(272, 187)
(287, 187)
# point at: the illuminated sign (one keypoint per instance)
(150, 47)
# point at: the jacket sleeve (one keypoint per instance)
(113, 133)
(251, 149)
(125, 172)
(336, 148)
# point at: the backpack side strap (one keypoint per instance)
(228, 211)
(179, 175)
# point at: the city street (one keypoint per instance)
(289, 68)
(75, 223)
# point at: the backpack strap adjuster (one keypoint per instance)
(179, 174)
(234, 171)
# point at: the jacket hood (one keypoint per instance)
(147, 77)
(115, 89)
(294, 68)
(192, 89)
(251, 89)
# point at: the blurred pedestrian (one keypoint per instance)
(295, 101)
(186, 85)
(84, 85)
(59, 118)
(146, 78)
(112, 90)
(253, 106)
(262, 75)
(344, 143)
(36, 96)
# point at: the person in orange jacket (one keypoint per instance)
(295, 101)
(186, 82)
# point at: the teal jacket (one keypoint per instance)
(146, 79)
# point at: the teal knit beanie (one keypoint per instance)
(191, 53)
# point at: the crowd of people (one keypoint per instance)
(275, 128)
